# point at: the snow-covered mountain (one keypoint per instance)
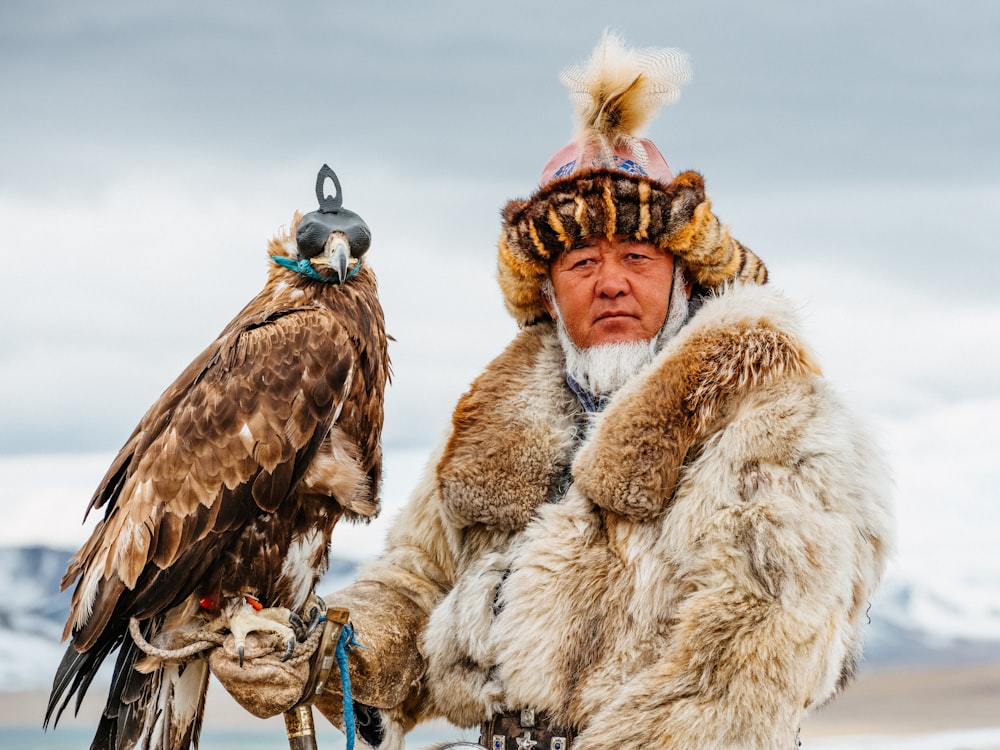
(915, 624)
(908, 624)
(32, 613)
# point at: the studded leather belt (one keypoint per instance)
(525, 730)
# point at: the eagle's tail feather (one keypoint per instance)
(109, 735)
(75, 673)
(158, 710)
(161, 710)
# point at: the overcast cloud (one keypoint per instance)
(149, 152)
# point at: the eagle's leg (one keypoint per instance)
(245, 615)
(300, 629)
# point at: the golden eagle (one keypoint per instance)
(223, 500)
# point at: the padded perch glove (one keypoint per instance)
(264, 685)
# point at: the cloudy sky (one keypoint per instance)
(148, 152)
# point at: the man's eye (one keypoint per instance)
(577, 262)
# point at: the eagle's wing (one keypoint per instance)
(229, 439)
(231, 436)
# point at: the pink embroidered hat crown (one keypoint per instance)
(575, 157)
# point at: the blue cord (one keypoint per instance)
(345, 642)
(304, 266)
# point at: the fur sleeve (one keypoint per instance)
(389, 605)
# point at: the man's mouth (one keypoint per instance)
(614, 314)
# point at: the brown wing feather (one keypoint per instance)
(237, 427)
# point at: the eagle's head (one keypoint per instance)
(332, 239)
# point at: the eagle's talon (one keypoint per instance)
(317, 617)
(240, 652)
(319, 606)
(290, 650)
(297, 625)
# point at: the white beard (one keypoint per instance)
(604, 368)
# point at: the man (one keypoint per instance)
(652, 524)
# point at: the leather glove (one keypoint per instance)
(264, 685)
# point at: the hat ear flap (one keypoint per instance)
(711, 254)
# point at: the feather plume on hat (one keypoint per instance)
(610, 182)
(618, 91)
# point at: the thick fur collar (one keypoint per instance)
(512, 436)
(515, 431)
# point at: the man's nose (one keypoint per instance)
(612, 280)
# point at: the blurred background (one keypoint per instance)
(148, 153)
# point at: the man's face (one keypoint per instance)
(612, 291)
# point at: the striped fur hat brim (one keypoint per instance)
(675, 217)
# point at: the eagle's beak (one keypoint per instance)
(338, 253)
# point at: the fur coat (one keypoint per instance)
(692, 571)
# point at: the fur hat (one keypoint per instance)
(610, 182)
